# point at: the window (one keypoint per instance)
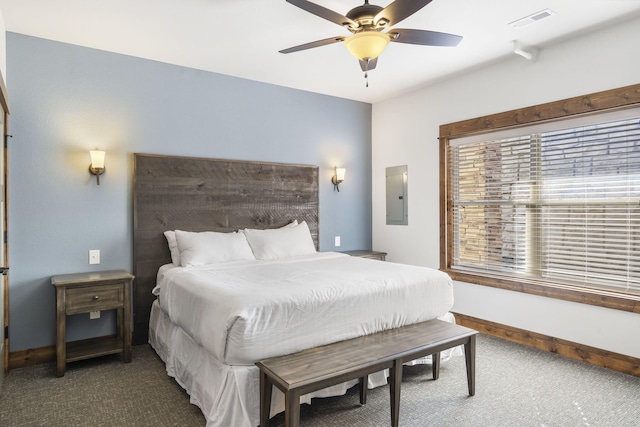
(551, 208)
(561, 205)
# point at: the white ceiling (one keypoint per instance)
(242, 37)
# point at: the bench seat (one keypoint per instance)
(320, 367)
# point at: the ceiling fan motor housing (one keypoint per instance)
(364, 16)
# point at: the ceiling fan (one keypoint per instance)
(367, 23)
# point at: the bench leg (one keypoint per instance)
(435, 365)
(470, 357)
(291, 409)
(394, 388)
(265, 399)
(364, 382)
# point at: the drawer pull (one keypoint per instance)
(96, 297)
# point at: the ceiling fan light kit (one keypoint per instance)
(366, 23)
(367, 44)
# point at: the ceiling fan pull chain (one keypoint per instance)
(366, 77)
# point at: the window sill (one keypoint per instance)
(600, 298)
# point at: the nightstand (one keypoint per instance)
(87, 292)
(381, 256)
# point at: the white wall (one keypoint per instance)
(3, 50)
(405, 131)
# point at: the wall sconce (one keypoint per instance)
(338, 178)
(97, 164)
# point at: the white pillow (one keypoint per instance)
(173, 246)
(283, 242)
(210, 247)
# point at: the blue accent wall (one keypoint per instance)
(66, 100)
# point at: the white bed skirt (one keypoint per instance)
(230, 395)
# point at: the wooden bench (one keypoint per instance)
(320, 367)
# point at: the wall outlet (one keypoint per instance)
(94, 256)
(94, 315)
(337, 241)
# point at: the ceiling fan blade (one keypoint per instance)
(423, 37)
(399, 10)
(311, 45)
(324, 13)
(368, 65)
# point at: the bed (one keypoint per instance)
(228, 273)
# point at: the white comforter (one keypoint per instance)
(245, 311)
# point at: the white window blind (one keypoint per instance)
(559, 205)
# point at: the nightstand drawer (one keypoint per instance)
(94, 298)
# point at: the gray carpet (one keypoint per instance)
(516, 386)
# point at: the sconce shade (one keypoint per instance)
(367, 44)
(97, 164)
(97, 159)
(338, 178)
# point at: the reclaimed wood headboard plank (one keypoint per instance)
(199, 194)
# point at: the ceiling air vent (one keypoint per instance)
(536, 17)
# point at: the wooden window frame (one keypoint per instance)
(599, 102)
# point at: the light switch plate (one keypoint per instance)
(337, 241)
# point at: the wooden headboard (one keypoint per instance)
(198, 194)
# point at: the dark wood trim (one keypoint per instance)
(599, 102)
(4, 101)
(32, 356)
(620, 98)
(445, 218)
(600, 298)
(4, 95)
(595, 356)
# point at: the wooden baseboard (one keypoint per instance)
(595, 356)
(32, 356)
